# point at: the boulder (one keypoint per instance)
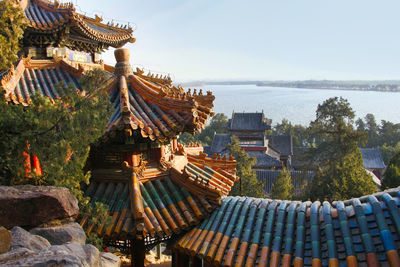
(71, 255)
(23, 239)
(59, 235)
(109, 260)
(5, 240)
(28, 205)
(15, 255)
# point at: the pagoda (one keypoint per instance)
(155, 188)
(158, 190)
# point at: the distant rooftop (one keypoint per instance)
(372, 158)
(249, 122)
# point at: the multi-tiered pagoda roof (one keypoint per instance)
(59, 24)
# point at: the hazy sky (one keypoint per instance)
(260, 39)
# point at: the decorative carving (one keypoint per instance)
(165, 165)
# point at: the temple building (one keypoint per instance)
(373, 161)
(272, 151)
(158, 190)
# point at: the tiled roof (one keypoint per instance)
(299, 179)
(264, 160)
(156, 111)
(32, 77)
(168, 208)
(219, 143)
(146, 104)
(249, 121)
(262, 232)
(166, 202)
(283, 143)
(49, 17)
(372, 158)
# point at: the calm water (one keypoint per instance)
(299, 105)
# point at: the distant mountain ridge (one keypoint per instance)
(362, 85)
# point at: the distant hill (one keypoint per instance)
(373, 85)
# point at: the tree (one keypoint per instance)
(283, 187)
(59, 132)
(391, 177)
(372, 130)
(12, 25)
(388, 152)
(298, 132)
(248, 185)
(340, 173)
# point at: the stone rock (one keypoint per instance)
(92, 255)
(29, 205)
(5, 240)
(71, 255)
(109, 260)
(23, 239)
(59, 235)
(14, 255)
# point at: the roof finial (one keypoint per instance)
(123, 67)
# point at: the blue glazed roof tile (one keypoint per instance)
(329, 233)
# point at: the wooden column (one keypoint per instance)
(137, 252)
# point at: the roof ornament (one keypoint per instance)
(98, 18)
(123, 67)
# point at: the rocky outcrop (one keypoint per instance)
(5, 240)
(109, 260)
(58, 235)
(23, 239)
(28, 205)
(32, 250)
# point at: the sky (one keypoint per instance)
(259, 39)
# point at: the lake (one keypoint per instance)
(299, 105)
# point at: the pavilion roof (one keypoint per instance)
(161, 200)
(48, 17)
(247, 231)
(152, 106)
(148, 104)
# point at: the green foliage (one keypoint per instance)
(217, 125)
(340, 173)
(342, 178)
(391, 177)
(388, 152)
(12, 24)
(283, 187)
(386, 136)
(248, 185)
(59, 132)
(298, 133)
(95, 240)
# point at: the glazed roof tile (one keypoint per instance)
(31, 77)
(372, 158)
(147, 104)
(165, 202)
(157, 111)
(263, 232)
(49, 17)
